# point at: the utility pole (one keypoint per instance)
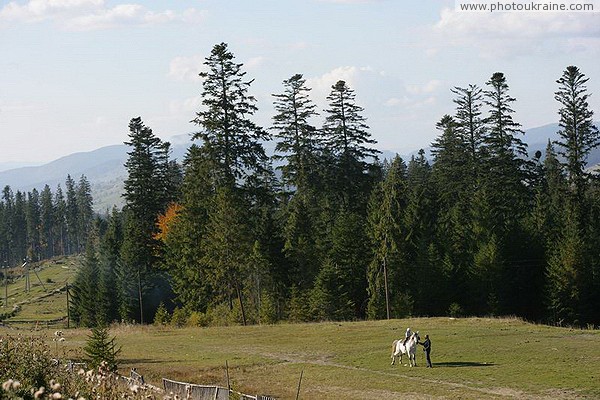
(140, 298)
(5, 284)
(385, 282)
(68, 308)
(27, 285)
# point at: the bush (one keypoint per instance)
(179, 317)
(161, 318)
(268, 311)
(455, 310)
(195, 319)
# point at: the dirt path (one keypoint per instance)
(478, 392)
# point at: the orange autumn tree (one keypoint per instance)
(167, 220)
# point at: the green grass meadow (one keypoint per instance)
(473, 358)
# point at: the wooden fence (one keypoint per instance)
(201, 392)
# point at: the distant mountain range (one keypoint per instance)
(105, 168)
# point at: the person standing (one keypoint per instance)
(427, 349)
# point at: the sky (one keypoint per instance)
(74, 72)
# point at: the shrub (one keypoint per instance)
(455, 310)
(195, 319)
(161, 318)
(179, 317)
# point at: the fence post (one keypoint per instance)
(299, 382)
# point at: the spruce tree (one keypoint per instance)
(229, 137)
(47, 223)
(182, 255)
(578, 136)
(32, 215)
(346, 136)
(84, 290)
(60, 221)
(386, 207)
(100, 347)
(85, 211)
(470, 127)
(227, 246)
(145, 198)
(297, 138)
(72, 216)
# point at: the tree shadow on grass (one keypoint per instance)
(455, 364)
(143, 361)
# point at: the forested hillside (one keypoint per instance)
(38, 225)
(485, 228)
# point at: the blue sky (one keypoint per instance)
(74, 72)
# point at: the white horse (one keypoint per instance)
(410, 349)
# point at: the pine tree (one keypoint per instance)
(229, 137)
(505, 163)
(145, 197)
(227, 247)
(84, 290)
(47, 223)
(470, 126)
(182, 253)
(297, 138)
(578, 135)
(32, 214)
(107, 306)
(19, 228)
(100, 347)
(346, 268)
(85, 212)
(346, 135)
(386, 207)
(72, 216)
(566, 275)
(60, 221)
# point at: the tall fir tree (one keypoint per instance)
(578, 135)
(385, 229)
(145, 199)
(60, 221)
(297, 138)
(72, 215)
(345, 134)
(48, 223)
(84, 290)
(470, 126)
(227, 246)
(229, 137)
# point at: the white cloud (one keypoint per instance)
(91, 14)
(254, 62)
(497, 35)
(428, 87)
(321, 85)
(186, 68)
(395, 101)
(185, 107)
(39, 10)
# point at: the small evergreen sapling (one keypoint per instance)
(100, 347)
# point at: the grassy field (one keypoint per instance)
(473, 359)
(46, 301)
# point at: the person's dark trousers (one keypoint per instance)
(428, 359)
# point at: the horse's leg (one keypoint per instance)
(394, 352)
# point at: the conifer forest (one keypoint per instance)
(325, 229)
